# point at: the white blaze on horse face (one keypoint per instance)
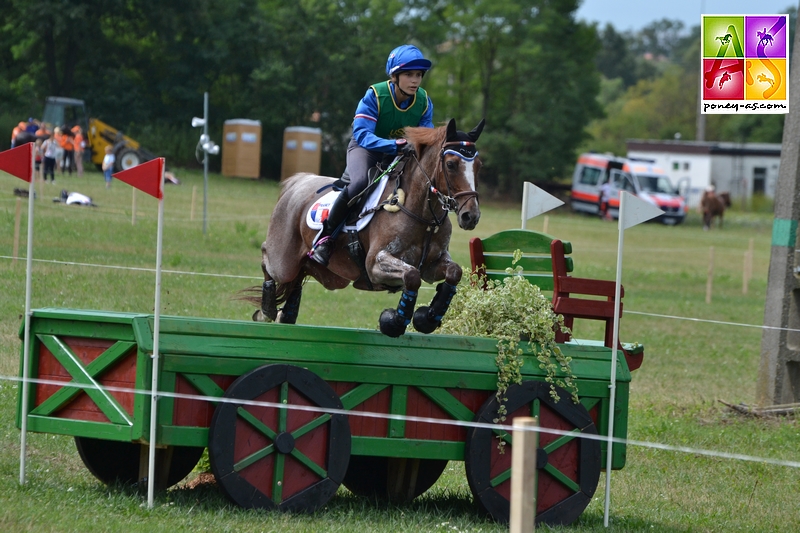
(469, 173)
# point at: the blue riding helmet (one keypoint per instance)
(406, 57)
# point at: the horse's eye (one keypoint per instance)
(452, 165)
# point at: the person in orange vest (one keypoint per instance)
(80, 146)
(16, 131)
(68, 144)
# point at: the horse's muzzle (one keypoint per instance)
(468, 219)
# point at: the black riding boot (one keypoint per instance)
(323, 247)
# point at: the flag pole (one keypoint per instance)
(151, 467)
(525, 186)
(615, 343)
(27, 336)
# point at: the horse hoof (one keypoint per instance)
(259, 316)
(423, 321)
(391, 323)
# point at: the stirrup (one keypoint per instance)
(321, 251)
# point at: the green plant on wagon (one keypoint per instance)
(512, 311)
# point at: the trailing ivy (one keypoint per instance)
(513, 311)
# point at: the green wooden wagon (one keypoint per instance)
(92, 363)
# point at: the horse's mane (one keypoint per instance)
(421, 137)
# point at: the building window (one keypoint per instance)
(685, 165)
(676, 166)
(759, 180)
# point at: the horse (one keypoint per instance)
(404, 243)
(713, 205)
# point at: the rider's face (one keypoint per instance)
(409, 80)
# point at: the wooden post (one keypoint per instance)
(710, 281)
(747, 271)
(16, 230)
(546, 223)
(194, 195)
(133, 206)
(524, 478)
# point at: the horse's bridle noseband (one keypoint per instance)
(467, 151)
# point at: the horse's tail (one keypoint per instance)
(250, 294)
(253, 293)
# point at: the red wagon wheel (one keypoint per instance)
(397, 479)
(569, 467)
(265, 457)
(115, 461)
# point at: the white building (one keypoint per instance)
(743, 169)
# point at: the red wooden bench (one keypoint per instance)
(569, 300)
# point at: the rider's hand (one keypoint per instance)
(404, 147)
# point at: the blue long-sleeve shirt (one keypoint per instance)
(367, 118)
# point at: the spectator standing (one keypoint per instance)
(605, 197)
(80, 146)
(49, 153)
(68, 144)
(108, 166)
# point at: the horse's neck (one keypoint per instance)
(419, 197)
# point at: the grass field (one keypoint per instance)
(689, 365)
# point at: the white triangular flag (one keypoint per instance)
(535, 201)
(633, 210)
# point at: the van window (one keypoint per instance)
(622, 181)
(590, 175)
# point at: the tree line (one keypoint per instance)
(547, 84)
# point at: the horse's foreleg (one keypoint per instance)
(428, 318)
(393, 322)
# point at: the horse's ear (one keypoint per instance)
(476, 132)
(452, 133)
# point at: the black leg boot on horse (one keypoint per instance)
(323, 247)
(393, 322)
(428, 318)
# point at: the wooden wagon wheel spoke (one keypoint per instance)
(569, 466)
(268, 457)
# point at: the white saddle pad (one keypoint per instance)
(320, 208)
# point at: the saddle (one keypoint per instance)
(363, 207)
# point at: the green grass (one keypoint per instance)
(689, 365)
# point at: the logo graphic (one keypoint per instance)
(745, 66)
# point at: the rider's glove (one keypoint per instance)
(404, 147)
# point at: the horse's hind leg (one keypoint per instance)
(291, 307)
(393, 322)
(428, 318)
(269, 308)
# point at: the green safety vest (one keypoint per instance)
(392, 119)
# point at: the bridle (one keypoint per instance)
(467, 152)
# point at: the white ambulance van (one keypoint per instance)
(641, 178)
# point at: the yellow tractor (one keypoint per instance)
(69, 112)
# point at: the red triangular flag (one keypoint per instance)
(147, 177)
(18, 161)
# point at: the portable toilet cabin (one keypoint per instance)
(241, 148)
(302, 151)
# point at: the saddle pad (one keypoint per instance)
(320, 208)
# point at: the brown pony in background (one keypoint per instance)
(713, 205)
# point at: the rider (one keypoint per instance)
(381, 115)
